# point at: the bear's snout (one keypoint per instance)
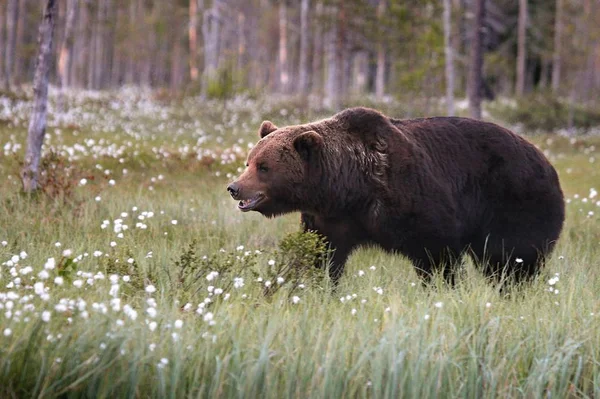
(234, 190)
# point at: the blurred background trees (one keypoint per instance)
(331, 49)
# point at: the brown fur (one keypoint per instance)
(431, 189)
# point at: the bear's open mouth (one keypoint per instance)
(249, 204)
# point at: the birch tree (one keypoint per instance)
(304, 41)
(211, 32)
(2, 44)
(380, 74)
(556, 54)
(284, 73)
(193, 39)
(66, 51)
(448, 51)
(476, 60)
(12, 14)
(521, 47)
(37, 124)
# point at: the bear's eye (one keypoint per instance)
(263, 168)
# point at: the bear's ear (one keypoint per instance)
(265, 128)
(308, 143)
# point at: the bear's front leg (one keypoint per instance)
(341, 239)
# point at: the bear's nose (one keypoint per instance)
(234, 190)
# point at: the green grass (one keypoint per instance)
(403, 341)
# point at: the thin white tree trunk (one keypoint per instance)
(449, 53)
(2, 43)
(556, 56)
(66, 51)
(476, 60)
(193, 39)
(37, 125)
(211, 32)
(284, 73)
(317, 59)
(12, 13)
(304, 40)
(380, 75)
(521, 48)
(332, 89)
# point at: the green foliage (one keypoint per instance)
(300, 259)
(545, 112)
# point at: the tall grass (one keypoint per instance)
(108, 333)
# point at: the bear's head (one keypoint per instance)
(279, 170)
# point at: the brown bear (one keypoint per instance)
(431, 189)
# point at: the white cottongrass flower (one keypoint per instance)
(295, 299)
(78, 283)
(83, 182)
(372, 267)
(268, 283)
(211, 276)
(238, 282)
(361, 273)
(50, 264)
(46, 316)
(152, 326)
(150, 289)
(519, 260)
(280, 280)
(208, 317)
(353, 311)
(426, 317)
(178, 323)
(7, 332)
(59, 280)
(67, 252)
(174, 222)
(151, 312)
(438, 305)
(271, 262)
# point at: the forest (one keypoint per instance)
(328, 49)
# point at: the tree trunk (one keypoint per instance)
(284, 73)
(37, 125)
(211, 32)
(2, 43)
(241, 51)
(317, 59)
(380, 75)
(193, 39)
(476, 60)
(304, 40)
(20, 62)
(521, 51)
(66, 51)
(556, 56)
(449, 53)
(334, 60)
(12, 13)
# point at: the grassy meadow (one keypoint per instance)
(134, 275)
